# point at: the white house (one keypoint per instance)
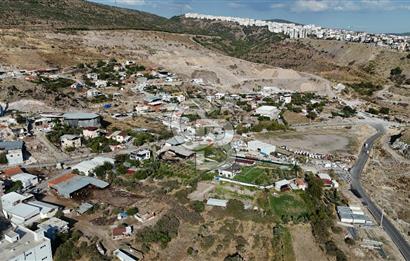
(92, 93)
(70, 141)
(143, 154)
(13, 150)
(92, 76)
(267, 111)
(229, 171)
(120, 136)
(24, 210)
(91, 132)
(86, 167)
(286, 98)
(101, 83)
(21, 243)
(27, 180)
(53, 226)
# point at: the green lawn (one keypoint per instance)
(263, 175)
(288, 204)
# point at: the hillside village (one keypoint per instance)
(57, 165)
(127, 144)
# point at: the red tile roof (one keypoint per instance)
(61, 179)
(119, 231)
(12, 171)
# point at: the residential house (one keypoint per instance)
(229, 171)
(53, 226)
(286, 98)
(119, 233)
(91, 133)
(175, 141)
(101, 83)
(21, 243)
(94, 93)
(142, 154)
(14, 151)
(87, 167)
(120, 136)
(176, 153)
(328, 182)
(70, 141)
(25, 210)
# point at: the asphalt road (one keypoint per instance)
(356, 172)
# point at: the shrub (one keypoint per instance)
(396, 71)
(384, 110)
(198, 206)
(3, 158)
(132, 211)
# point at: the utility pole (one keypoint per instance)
(381, 219)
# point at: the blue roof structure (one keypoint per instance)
(11, 145)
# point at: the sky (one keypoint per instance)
(375, 16)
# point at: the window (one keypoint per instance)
(29, 253)
(44, 258)
(43, 246)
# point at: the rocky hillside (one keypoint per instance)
(77, 14)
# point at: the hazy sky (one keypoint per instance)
(361, 15)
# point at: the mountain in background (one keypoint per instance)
(76, 14)
(255, 44)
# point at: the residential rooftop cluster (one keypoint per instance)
(296, 31)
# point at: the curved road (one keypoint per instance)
(356, 172)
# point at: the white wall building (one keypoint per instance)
(27, 180)
(23, 244)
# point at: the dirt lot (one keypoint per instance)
(304, 244)
(336, 140)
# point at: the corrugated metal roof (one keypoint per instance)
(80, 116)
(11, 145)
(76, 183)
(217, 202)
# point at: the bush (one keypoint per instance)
(162, 232)
(3, 158)
(396, 71)
(365, 88)
(373, 111)
(235, 206)
(132, 211)
(384, 110)
(198, 206)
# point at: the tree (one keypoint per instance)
(3, 158)
(16, 185)
(396, 71)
